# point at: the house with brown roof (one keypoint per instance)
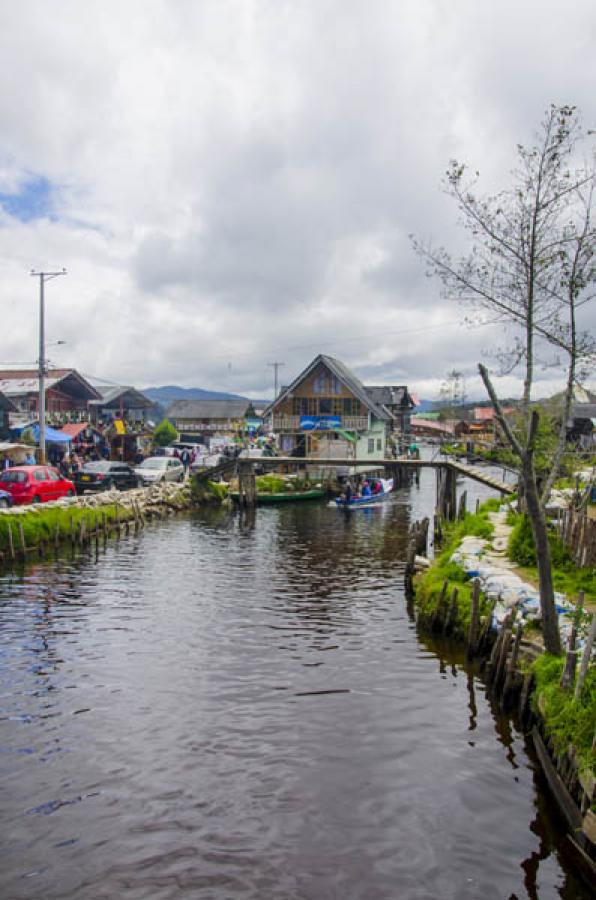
(67, 394)
(326, 412)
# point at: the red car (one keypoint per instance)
(35, 484)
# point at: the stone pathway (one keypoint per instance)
(488, 561)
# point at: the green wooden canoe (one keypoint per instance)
(314, 494)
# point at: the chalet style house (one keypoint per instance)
(328, 413)
(67, 394)
(123, 403)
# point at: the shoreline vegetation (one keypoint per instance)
(567, 719)
(33, 530)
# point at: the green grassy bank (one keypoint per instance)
(566, 720)
(55, 524)
(429, 584)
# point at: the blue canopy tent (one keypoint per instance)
(52, 436)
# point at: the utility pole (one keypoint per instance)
(276, 366)
(43, 277)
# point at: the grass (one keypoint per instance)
(277, 484)
(567, 720)
(44, 523)
(430, 583)
(567, 577)
(208, 492)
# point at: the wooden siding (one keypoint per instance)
(321, 384)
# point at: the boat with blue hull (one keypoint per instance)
(358, 502)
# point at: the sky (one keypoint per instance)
(231, 183)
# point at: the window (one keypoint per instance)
(326, 383)
(371, 445)
(53, 476)
(8, 477)
(379, 444)
(40, 475)
(351, 407)
(325, 406)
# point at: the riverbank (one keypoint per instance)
(35, 529)
(473, 592)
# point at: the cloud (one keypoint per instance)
(230, 183)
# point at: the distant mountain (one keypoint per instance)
(424, 406)
(168, 393)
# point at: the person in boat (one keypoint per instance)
(365, 489)
(349, 491)
(377, 487)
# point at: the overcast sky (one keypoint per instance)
(233, 183)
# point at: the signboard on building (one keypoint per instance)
(320, 423)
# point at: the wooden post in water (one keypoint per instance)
(451, 616)
(22, 538)
(486, 626)
(436, 616)
(503, 655)
(511, 666)
(461, 512)
(247, 485)
(11, 542)
(474, 620)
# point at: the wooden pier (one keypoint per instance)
(401, 470)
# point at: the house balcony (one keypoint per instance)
(292, 423)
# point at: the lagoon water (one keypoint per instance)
(222, 708)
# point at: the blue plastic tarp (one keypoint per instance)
(52, 436)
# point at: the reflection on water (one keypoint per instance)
(232, 708)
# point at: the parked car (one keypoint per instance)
(35, 484)
(5, 500)
(160, 468)
(103, 475)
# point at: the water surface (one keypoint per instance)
(224, 708)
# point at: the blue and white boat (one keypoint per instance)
(370, 500)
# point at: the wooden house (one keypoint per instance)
(398, 401)
(198, 420)
(327, 413)
(67, 394)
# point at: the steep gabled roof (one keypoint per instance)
(131, 397)
(345, 375)
(19, 382)
(391, 395)
(208, 409)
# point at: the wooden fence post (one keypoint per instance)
(474, 615)
(585, 660)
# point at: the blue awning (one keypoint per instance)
(52, 436)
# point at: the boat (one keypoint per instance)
(370, 500)
(284, 496)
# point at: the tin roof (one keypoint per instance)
(345, 375)
(208, 409)
(19, 382)
(130, 396)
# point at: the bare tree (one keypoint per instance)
(531, 266)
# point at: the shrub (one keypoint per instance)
(523, 551)
(566, 719)
(164, 434)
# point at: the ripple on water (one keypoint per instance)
(210, 712)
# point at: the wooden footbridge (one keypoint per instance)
(401, 470)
